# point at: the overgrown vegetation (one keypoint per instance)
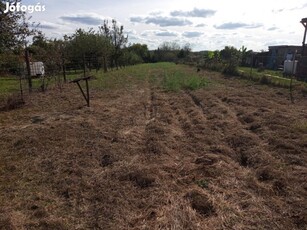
(177, 80)
(226, 61)
(165, 75)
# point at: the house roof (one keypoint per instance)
(284, 46)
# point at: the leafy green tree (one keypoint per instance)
(130, 57)
(48, 51)
(119, 41)
(141, 50)
(15, 28)
(232, 59)
(246, 56)
(184, 51)
(105, 44)
(11, 27)
(167, 51)
(83, 48)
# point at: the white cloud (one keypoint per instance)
(162, 21)
(202, 13)
(87, 19)
(192, 34)
(237, 25)
(146, 21)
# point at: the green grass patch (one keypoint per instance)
(8, 85)
(174, 77)
(268, 77)
(255, 72)
(168, 76)
(175, 81)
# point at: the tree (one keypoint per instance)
(169, 46)
(10, 28)
(119, 41)
(113, 43)
(141, 50)
(184, 51)
(246, 56)
(167, 51)
(95, 48)
(49, 52)
(232, 58)
(14, 31)
(83, 48)
(105, 44)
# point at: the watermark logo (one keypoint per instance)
(18, 7)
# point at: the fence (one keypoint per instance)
(18, 80)
(15, 84)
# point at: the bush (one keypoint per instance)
(231, 69)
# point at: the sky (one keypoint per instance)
(205, 25)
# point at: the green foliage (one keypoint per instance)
(169, 46)
(50, 52)
(118, 40)
(166, 75)
(134, 58)
(170, 52)
(232, 59)
(141, 51)
(212, 61)
(10, 63)
(103, 47)
(226, 61)
(14, 31)
(271, 77)
(14, 28)
(245, 55)
(8, 85)
(184, 51)
(175, 81)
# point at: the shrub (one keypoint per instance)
(231, 69)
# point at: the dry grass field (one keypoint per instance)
(230, 154)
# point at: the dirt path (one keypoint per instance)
(229, 156)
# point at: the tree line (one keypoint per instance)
(105, 47)
(102, 48)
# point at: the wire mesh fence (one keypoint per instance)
(18, 81)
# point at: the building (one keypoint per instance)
(278, 54)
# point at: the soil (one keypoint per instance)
(232, 155)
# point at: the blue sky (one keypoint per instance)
(206, 24)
